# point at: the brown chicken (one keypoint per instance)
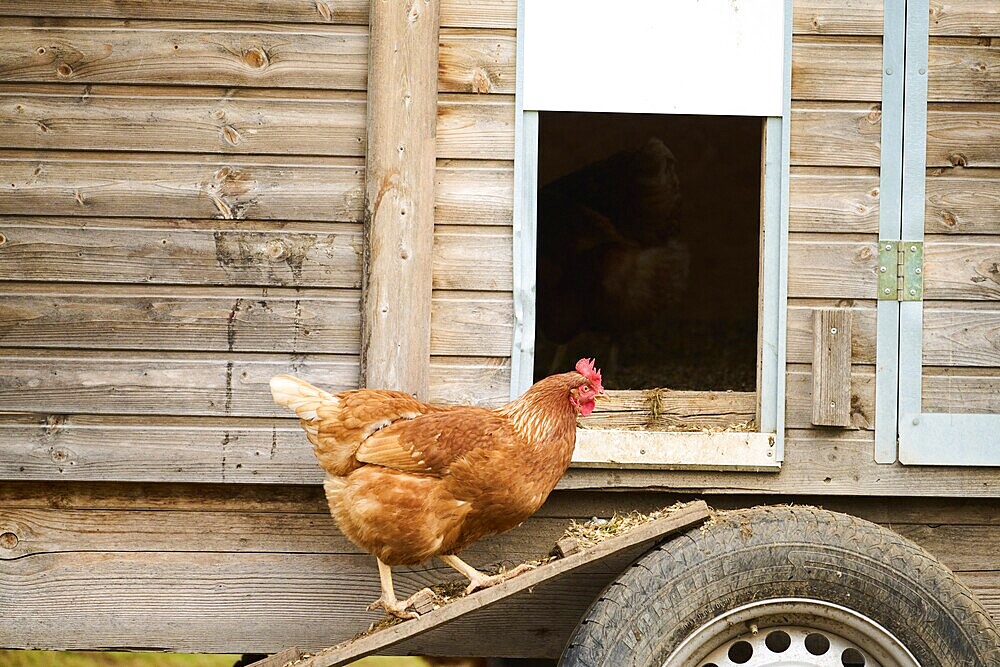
(407, 481)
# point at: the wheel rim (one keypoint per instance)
(818, 634)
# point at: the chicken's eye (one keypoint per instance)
(585, 387)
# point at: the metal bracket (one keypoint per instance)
(900, 270)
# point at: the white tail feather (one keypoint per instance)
(300, 396)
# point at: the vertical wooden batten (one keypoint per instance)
(831, 370)
(399, 195)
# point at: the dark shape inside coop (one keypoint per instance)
(649, 233)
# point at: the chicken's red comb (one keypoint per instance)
(585, 367)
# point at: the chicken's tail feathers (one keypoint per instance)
(300, 396)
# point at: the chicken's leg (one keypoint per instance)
(388, 600)
(478, 579)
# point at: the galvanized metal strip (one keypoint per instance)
(890, 213)
(782, 268)
(522, 360)
(772, 262)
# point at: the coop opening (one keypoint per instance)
(649, 237)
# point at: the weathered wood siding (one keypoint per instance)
(264, 567)
(961, 337)
(181, 209)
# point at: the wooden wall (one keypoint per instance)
(181, 214)
(961, 338)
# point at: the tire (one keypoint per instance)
(747, 573)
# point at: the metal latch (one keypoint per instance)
(901, 270)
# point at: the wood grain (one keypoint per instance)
(799, 341)
(958, 267)
(836, 17)
(471, 323)
(399, 197)
(960, 72)
(835, 134)
(963, 135)
(183, 119)
(799, 400)
(833, 200)
(474, 193)
(832, 265)
(110, 51)
(961, 390)
(962, 201)
(477, 61)
(179, 186)
(975, 18)
(957, 336)
(665, 409)
(828, 69)
(476, 128)
(180, 252)
(473, 258)
(831, 367)
(460, 13)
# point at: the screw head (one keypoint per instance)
(888, 291)
(915, 421)
(833, 404)
(833, 330)
(913, 292)
(917, 271)
(881, 269)
(888, 246)
(913, 248)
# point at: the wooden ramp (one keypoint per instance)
(642, 536)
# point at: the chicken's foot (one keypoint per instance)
(479, 579)
(388, 599)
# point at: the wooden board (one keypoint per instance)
(680, 520)
(833, 200)
(799, 398)
(962, 268)
(831, 367)
(836, 69)
(460, 13)
(963, 135)
(962, 202)
(659, 450)
(666, 409)
(864, 17)
(961, 334)
(799, 341)
(474, 193)
(835, 134)
(477, 61)
(475, 127)
(958, 71)
(473, 258)
(832, 265)
(961, 390)
(178, 186)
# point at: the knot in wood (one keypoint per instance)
(59, 455)
(231, 136)
(64, 71)
(256, 57)
(875, 115)
(8, 540)
(958, 160)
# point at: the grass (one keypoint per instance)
(98, 659)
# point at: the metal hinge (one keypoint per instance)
(901, 270)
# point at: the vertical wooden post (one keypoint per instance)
(831, 369)
(399, 195)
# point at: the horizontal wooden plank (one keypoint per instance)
(836, 70)
(961, 390)
(955, 336)
(471, 323)
(962, 202)
(197, 120)
(836, 17)
(266, 11)
(107, 51)
(158, 384)
(477, 61)
(186, 252)
(799, 390)
(473, 258)
(470, 380)
(976, 18)
(178, 186)
(832, 266)
(958, 267)
(474, 193)
(455, 13)
(827, 134)
(666, 409)
(799, 341)
(261, 320)
(659, 450)
(832, 201)
(959, 72)
(173, 319)
(963, 135)
(474, 127)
